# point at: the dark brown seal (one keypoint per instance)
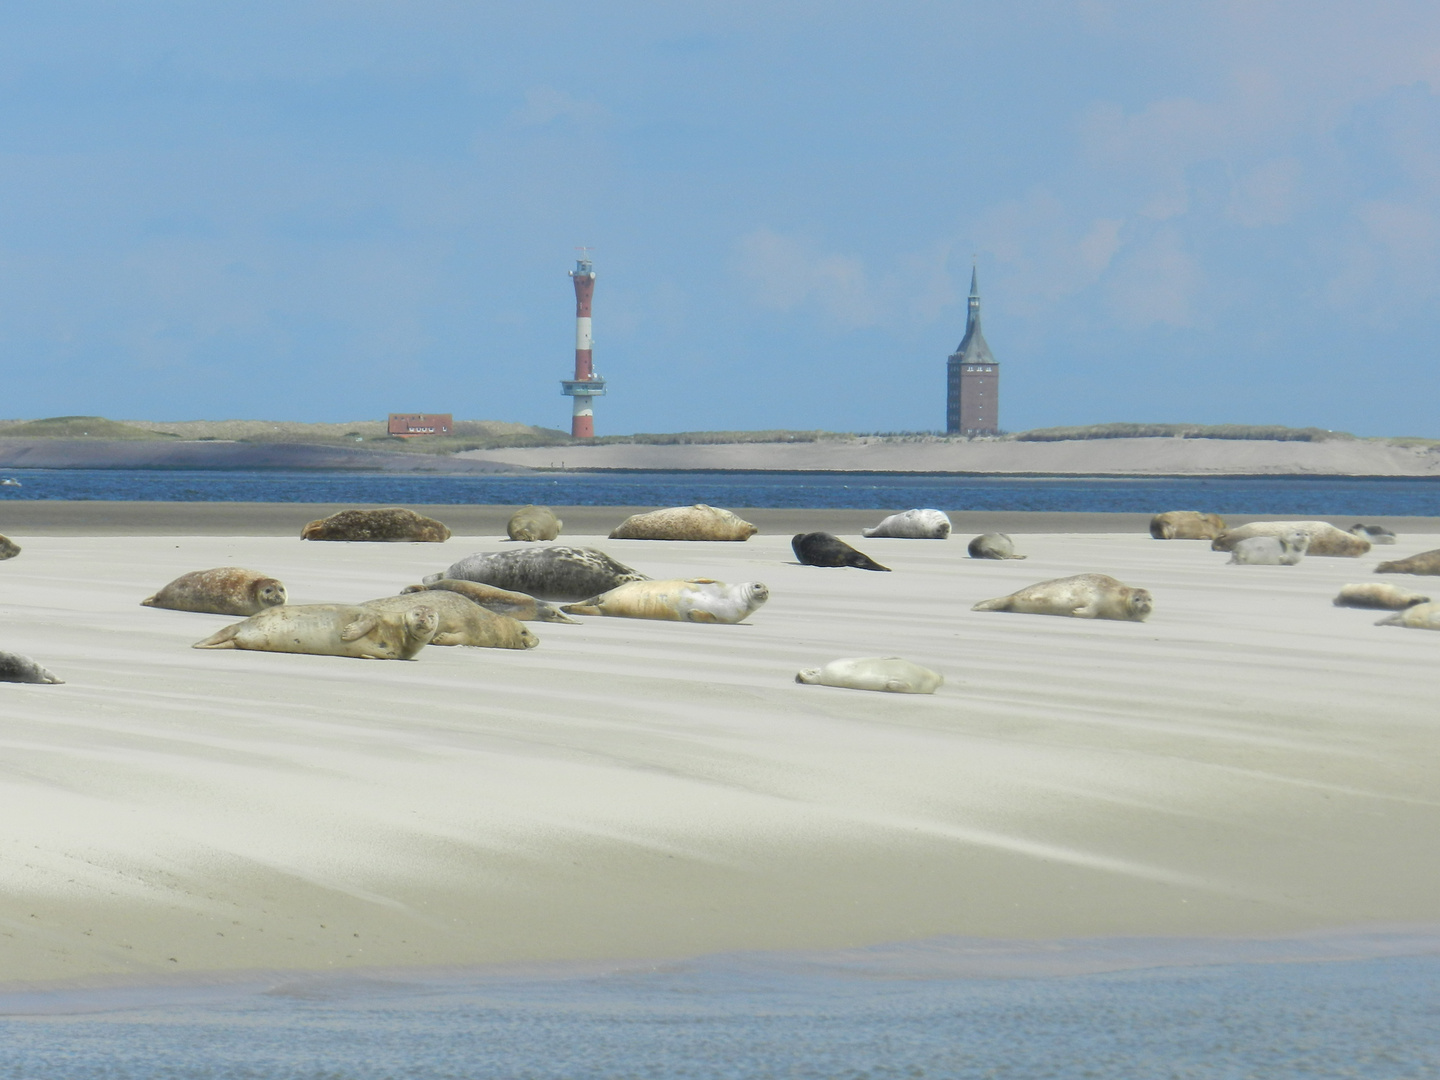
(1427, 562)
(389, 523)
(533, 523)
(823, 549)
(8, 548)
(225, 590)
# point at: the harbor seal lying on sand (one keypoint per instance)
(1284, 550)
(1186, 525)
(225, 590)
(701, 600)
(1427, 562)
(548, 573)
(8, 548)
(462, 621)
(1378, 594)
(889, 673)
(992, 546)
(331, 630)
(533, 523)
(1419, 617)
(389, 523)
(501, 601)
(1084, 596)
(823, 549)
(1325, 539)
(17, 668)
(698, 522)
(913, 525)
(1376, 534)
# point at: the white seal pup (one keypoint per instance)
(462, 621)
(8, 548)
(701, 600)
(1325, 539)
(501, 601)
(331, 630)
(17, 668)
(1186, 525)
(887, 673)
(1084, 596)
(992, 546)
(913, 525)
(548, 573)
(392, 524)
(1419, 617)
(1270, 550)
(1427, 562)
(224, 590)
(1376, 534)
(1378, 594)
(533, 523)
(698, 522)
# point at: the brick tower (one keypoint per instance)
(972, 399)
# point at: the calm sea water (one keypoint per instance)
(1305, 495)
(1374, 1019)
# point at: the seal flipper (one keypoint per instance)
(354, 631)
(221, 639)
(548, 612)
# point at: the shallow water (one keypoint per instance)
(1199, 1010)
(1298, 495)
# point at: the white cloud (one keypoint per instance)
(786, 272)
(1046, 254)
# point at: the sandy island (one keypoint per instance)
(1252, 760)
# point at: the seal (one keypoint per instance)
(1419, 617)
(462, 621)
(701, 600)
(1084, 596)
(823, 549)
(17, 668)
(888, 673)
(1325, 539)
(548, 573)
(389, 523)
(913, 525)
(331, 630)
(698, 522)
(1186, 525)
(225, 590)
(1427, 562)
(533, 523)
(8, 548)
(1378, 594)
(1376, 534)
(1284, 550)
(992, 546)
(501, 601)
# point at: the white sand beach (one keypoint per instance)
(1252, 760)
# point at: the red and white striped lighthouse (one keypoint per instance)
(586, 384)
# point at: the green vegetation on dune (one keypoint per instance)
(1270, 432)
(77, 427)
(713, 438)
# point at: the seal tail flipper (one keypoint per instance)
(148, 602)
(998, 604)
(221, 639)
(1391, 620)
(867, 563)
(584, 607)
(412, 589)
(870, 532)
(1017, 556)
(430, 579)
(547, 612)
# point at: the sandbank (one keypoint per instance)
(1251, 761)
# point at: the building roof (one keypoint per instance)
(972, 348)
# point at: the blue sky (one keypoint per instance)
(1208, 211)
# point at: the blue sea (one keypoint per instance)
(1298, 495)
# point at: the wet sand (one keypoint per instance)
(1252, 760)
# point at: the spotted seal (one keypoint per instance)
(888, 673)
(823, 549)
(331, 630)
(701, 600)
(992, 546)
(533, 523)
(390, 523)
(1427, 562)
(548, 573)
(501, 601)
(1083, 596)
(1378, 594)
(1325, 539)
(17, 668)
(462, 621)
(913, 525)
(224, 590)
(1186, 525)
(698, 522)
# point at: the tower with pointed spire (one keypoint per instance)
(972, 399)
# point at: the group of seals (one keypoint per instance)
(22, 669)
(461, 621)
(824, 549)
(887, 673)
(1083, 596)
(501, 601)
(533, 523)
(549, 573)
(391, 523)
(225, 590)
(700, 600)
(698, 522)
(1325, 539)
(913, 525)
(332, 630)
(8, 548)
